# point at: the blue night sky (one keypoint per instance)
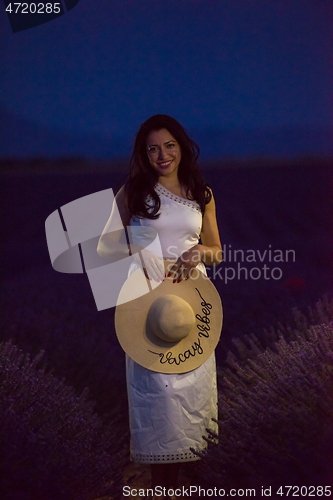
(244, 68)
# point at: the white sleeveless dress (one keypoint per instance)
(169, 413)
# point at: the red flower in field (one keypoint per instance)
(294, 284)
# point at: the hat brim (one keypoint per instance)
(153, 353)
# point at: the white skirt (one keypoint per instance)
(169, 413)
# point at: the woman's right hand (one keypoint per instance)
(152, 265)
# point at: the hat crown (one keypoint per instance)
(170, 318)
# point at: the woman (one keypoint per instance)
(166, 191)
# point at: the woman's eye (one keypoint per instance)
(171, 145)
(152, 150)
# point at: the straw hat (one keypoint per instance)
(174, 328)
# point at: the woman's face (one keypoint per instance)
(164, 152)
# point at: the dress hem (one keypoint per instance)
(145, 458)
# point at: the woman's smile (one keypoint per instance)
(165, 164)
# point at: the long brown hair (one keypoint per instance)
(143, 177)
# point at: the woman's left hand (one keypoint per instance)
(188, 260)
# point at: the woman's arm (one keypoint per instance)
(122, 206)
(112, 242)
(210, 249)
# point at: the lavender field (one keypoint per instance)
(276, 225)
